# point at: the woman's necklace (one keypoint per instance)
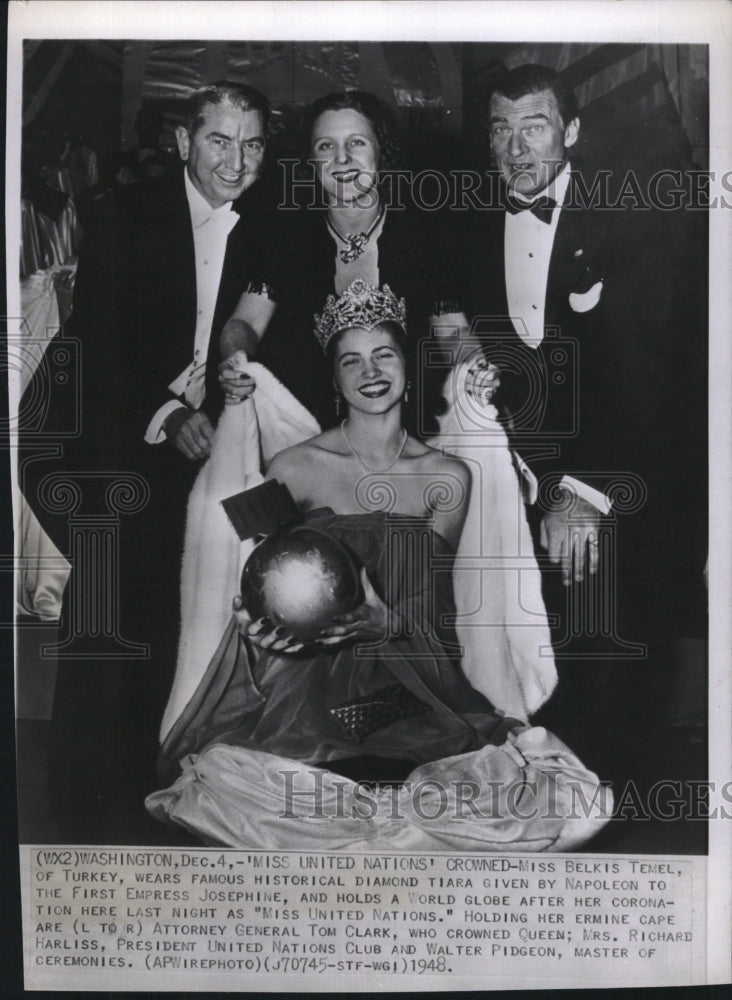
(355, 242)
(367, 468)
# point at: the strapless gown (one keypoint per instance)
(259, 755)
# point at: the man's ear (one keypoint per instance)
(571, 133)
(184, 141)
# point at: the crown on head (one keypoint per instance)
(361, 305)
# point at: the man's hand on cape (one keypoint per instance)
(191, 432)
(571, 537)
(483, 380)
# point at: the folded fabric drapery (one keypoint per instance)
(531, 794)
(501, 620)
(43, 571)
(41, 320)
(45, 301)
(45, 242)
(528, 790)
(248, 434)
(31, 258)
(69, 231)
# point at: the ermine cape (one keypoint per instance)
(501, 620)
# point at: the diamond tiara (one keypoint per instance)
(361, 305)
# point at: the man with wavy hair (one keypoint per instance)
(154, 288)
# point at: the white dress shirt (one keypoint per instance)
(528, 244)
(211, 228)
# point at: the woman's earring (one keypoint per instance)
(406, 391)
(338, 404)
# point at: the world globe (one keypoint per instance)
(301, 579)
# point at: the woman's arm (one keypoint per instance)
(293, 468)
(448, 498)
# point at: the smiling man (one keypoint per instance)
(155, 285)
(222, 145)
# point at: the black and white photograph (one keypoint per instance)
(369, 443)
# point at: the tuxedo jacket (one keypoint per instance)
(599, 398)
(132, 329)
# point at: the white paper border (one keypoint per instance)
(664, 21)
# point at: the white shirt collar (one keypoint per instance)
(556, 188)
(200, 209)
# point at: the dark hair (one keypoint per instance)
(532, 78)
(238, 95)
(378, 114)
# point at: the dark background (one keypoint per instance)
(634, 96)
(637, 100)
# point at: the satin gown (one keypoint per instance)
(263, 725)
(402, 699)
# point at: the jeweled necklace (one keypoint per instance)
(355, 242)
(367, 468)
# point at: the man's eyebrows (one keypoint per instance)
(230, 138)
(524, 118)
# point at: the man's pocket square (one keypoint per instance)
(582, 302)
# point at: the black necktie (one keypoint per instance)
(542, 208)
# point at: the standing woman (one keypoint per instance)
(355, 222)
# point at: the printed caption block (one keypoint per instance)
(211, 919)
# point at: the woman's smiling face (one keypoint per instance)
(369, 369)
(346, 154)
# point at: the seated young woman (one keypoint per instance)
(380, 692)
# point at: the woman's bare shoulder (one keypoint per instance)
(435, 460)
(301, 455)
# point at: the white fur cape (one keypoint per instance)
(501, 622)
(501, 619)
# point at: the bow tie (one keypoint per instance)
(542, 208)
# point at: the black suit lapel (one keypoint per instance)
(184, 254)
(577, 260)
(168, 265)
(496, 256)
(484, 268)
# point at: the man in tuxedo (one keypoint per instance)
(154, 289)
(575, 295)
